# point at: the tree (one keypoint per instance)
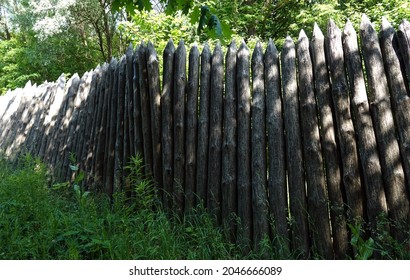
(90, 18)
(4, 22)
(31, 53)
(201, 13)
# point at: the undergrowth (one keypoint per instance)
(65, 221)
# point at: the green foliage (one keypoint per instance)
(157, 28)
(37, 222)
(26, 58)
(378, 242)
(363, 248)
(144, 191)
(66, 222)
(14, 66)
(201, 13)
(95, 34)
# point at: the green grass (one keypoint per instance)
(66, 222)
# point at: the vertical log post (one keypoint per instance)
(330, 150)
(90, 128)
(215, 135)
(345, 128)
(258, 155)
(119, 128)
(385, 131)
(244, 148)
(179, 126)
(229, 164)
(136, 108)
(167, 123)
(203, 126)
(191, 129)
(128, 119)
(312, 150)
(398, 93)
(155, 105)
(110, 152)
(369, 157)
(294, 160)
(145, 109)
(403, 35)
(277, 188)
(101, 119)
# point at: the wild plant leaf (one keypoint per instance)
(74, 167)
(186, 5)
(70, 233)
(171, 7)
(130, 8)
(215, 26)
(59, 186)
(79, 177)
(85, 194)
(367, 249)
(76, 189)
(195, 15)
(203, 20)
(116, 5)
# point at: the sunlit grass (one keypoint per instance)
(41, 222)
(63, 221)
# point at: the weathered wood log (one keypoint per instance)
(71, 139)
(383, 122)
(345, 128)
(16, 135)
(244, 148)
(128, 120)
(110, 153)
(277, 188)
(83, 120)
(45, 98)
(398, 93)
(9, 109)
(403, 35)
(6, 103)
(315, 176)
(101, 120)
(229, 146)
(191, 129)
(35, 106)
(50, 119)
(155, 102)
(167, 123)
(119, 129)
(145, 109)
(86, 120)
(330, 150)
(128, 113)
(61, 153)
(179, 126)
(369, 158)
(215, 135)
(136, 108)
(7, 119)
(57, 111)
(260, 207)
(203, 126)
(294, 160)
(90, 127)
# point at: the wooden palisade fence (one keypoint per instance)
(297, 144)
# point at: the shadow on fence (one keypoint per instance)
(299, 144)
